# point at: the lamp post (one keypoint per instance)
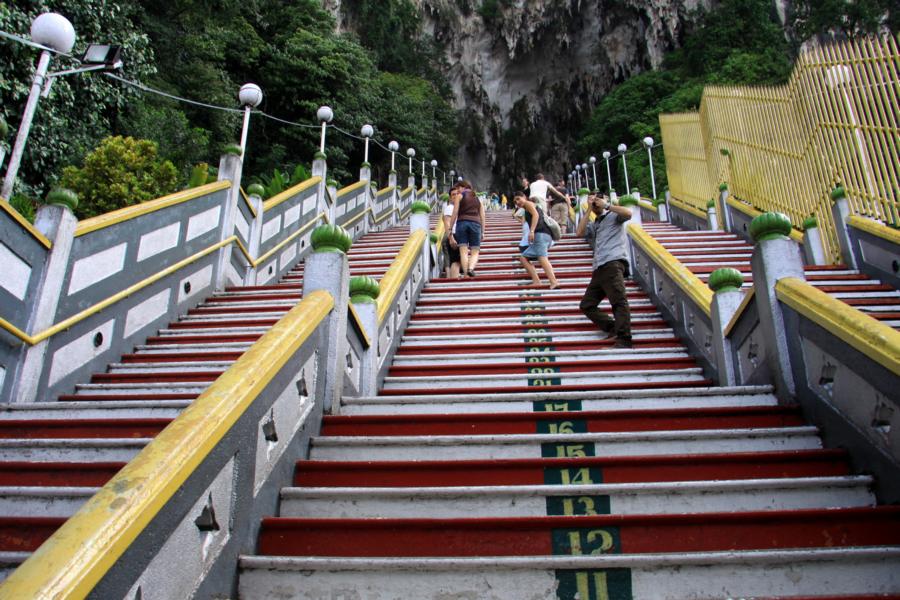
(622, 148)
(648, 142)
(250, 96)
(433, 172)
(56, 33)
(393, 147)
(325, 115)
(606, 156)
(452, 175)
(593, 161)
(410, 153)
(587, 179)
(367, 132)
(580, 182)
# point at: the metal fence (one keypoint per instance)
(784, 148)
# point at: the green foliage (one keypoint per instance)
(81, 109)
(25, 206)
(738, 42)
(827, 18)
(489, 9)
(279, 180)
(119, 172)
(199, 175)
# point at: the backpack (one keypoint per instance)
(555, 231)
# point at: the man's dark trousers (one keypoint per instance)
(608, 281)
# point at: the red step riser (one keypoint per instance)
(25, 534)
(516, 312)
(593, 426)
(522, 389)
(82, 428)
(57, 474)
(523, 329)
(179, 357)
(516, 302)
(405, 349)
(124, 397)
(586, 366)
(155, 377)
(252, 298)
(638, 469)
(158, 340)
(637, 534)
(225, 310)
(222, 324)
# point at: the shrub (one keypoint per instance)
(119, 172)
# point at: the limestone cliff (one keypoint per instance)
(526, 73)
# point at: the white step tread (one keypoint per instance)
(641, 443)
(155, 409)
(531, 501)
(72, 450)
(700, 575)
(43, 501)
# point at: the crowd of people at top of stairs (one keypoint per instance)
(602, 226)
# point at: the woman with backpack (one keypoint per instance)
(539, 241)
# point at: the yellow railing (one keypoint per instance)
(398, 271)
(75, 558)
(784, 148)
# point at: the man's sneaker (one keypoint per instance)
(471, 273)
(621, 343)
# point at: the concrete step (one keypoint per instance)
(71, 450)
(713, 441)
(541, 500)
(43, 501)
(75, 410)
(423, 360)
(549, 400)
(662, 576)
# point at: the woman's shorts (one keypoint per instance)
(539, 247)
(451, 252)
(468, 233)
(560, 213)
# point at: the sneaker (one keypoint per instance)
(621, 343)
(471, 273)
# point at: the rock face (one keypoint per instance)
(526, 73)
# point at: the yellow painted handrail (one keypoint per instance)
(748, 298)
(75, 558)
(137, 210)
(398, 272)
(356, 218)
(696, 290)
(320, 217)
(351, 188)
(289, 193)
(386, 215)
(876, 228)
(366, 340)
(439, 230)
(406, 191)
(247, 202)
(647, 205)
(386, 190)
(37, 235)
(866, 334)
(688, 208)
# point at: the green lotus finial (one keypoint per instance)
(726, 280)
(363, 289)
(330, 238)
(320, 156)
(63, 197)
(770, 226)
(711, 203)
(445, 197)
(232, 149)
(628, 201)
(433, 238)
(420, 208)
(333, 183)
(810, 222)
(658, 201)
(583, 191)
(838, 192)
(256, 189)
(723, 186)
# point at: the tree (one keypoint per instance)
(119, 172)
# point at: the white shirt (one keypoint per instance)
(448, 212)
(538, 189)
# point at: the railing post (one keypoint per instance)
(727, 220)
(840, 210)
(775, 256)
(57, 223)
(255, 233)
(363, 292)
(392, 183)
(712, 218)
(726, 283)
(230, 168)
(326, 268)
(813, 249)
(320, 169)
(418, 219)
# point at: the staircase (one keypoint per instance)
(705, 251)
(55, 455)
(513, 453)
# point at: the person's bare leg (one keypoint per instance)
(464, 258)
(454, 271)
(548, 269)
(535, 279)
(473, 259)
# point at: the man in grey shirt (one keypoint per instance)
(606, 235)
